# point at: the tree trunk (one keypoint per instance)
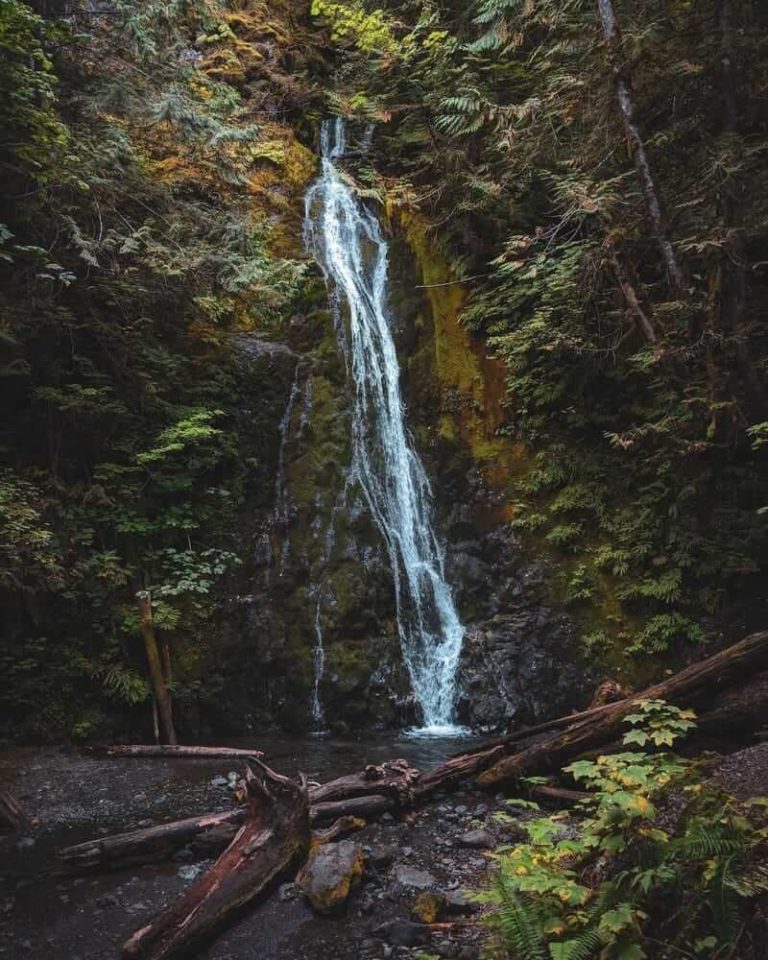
(622, 90)
(274, 837)
(640, 314)
(151, 843)
(157, 677)
(371, 806)
(550, 752)
(174, 751)
(731, 280)
(395, 779)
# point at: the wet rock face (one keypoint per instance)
(331, 873)
(518, 667)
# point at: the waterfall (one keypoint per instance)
(346, 239)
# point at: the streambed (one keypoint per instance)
(75, 797)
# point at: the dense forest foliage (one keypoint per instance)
(593, 173)
(145, 153)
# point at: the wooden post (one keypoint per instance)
(157, 677)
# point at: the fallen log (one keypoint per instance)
(371, 806)
(338, 829)
(174, 752)
(545, 793)
(394, 786)
(151, 843)
(395, 779)
(274, 837)
(215, 830)
(681, 688)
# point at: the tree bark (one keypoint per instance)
(731, 280)
(371, 806)
(156, 674)
(395, 779)
(274, 837)
(550, 752)
(622, 91)
(174, 751)
(152, 843)
(640, 314)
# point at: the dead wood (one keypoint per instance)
(174, 751)
(274, 837)
(682, 688)
(151, 843)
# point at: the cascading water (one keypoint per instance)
(347, 242)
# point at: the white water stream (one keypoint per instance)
(346, 239)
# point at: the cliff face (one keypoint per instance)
(317, 571)
(181, 408)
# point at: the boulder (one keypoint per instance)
(330, 874)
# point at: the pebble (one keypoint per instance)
(288, 891)
(190, 871)
(219, 782)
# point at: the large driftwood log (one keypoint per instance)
(274, 837)
(371, 806)
(681, 688)
(395, 779)
(174, 751)
(152, 843)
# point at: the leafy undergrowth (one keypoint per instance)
(661, 864)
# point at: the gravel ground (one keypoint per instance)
(744, 774)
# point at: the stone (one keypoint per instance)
(427, 906)
(411, 878)
(456, 902)
(403, 933)
(190, 872)
(479, 839)
(288, 891)
(382, 855)
(219, 782)
(330, 874)
(468, 952)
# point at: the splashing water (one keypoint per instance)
(347, 242)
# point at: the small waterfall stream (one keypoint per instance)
(346, 239)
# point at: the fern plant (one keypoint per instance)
(658, 862)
